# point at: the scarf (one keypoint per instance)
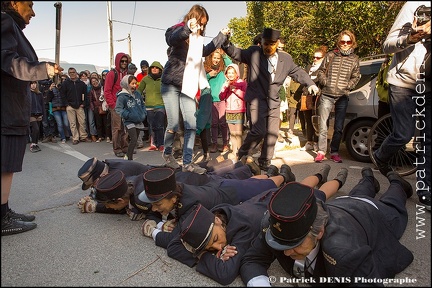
(17, 18)
(346, 52)
(194, 77)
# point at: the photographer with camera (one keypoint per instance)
(410, 93)
(59, 103)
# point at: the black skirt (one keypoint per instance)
(12, 152)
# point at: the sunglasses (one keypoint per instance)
(124, 61)
(317, 57)
(342, 42)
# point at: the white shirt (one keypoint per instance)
(272, 65)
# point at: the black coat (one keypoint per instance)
(176, 37)
(75, 92)
(208, 195)
(358, 242)
(19, 66)
(259, 81)
(242, 227)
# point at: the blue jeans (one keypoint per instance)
(176, 103)
(324, 109)
(403, 105)
(62, 123)
(156, 120)
(91, 125)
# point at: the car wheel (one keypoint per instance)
(356, 140)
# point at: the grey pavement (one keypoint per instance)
(69, 248)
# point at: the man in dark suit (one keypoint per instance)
(353, 238)
(267, 70)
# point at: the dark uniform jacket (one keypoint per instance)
(207, 195)
(19, 66)
(260, 85)
(357, 242)
(242, 227)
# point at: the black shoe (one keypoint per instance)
(11, 226)
(119, 154)
(342, 176)
(286, 172)
(264, 164)
(395, 177)
(20, 217)
(367, 172)
(384, 168)
(272, 171)
(324, 174)
(426, 201)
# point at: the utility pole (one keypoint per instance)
(58, 6)
(110, 33)
(130, 45)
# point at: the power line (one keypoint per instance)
(132, 24)
(104, 42)
(73, 46)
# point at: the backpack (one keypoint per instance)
(382, 85)
(115, 76)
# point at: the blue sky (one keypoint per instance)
(84, 36)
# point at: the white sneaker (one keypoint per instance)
(170, 161)
(194, 168)
(308, 147)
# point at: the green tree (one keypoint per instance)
(307, 25)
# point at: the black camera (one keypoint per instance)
(423, 15)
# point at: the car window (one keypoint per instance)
(368, 72)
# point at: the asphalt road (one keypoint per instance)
(69, 248)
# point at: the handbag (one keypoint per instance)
(102, 111)
(306, 102)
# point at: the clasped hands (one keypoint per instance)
(227, 252)
(149, 226)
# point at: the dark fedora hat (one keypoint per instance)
(111, 186)
(158, 183)
(196, 229)
(292, 212)
(271, 34)
(90, 171)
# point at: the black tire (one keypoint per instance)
(356, 140)
(403, 161)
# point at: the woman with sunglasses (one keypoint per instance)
(338, 75)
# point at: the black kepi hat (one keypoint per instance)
(90, 171)
(158, 183)
(292, 212)
(271, 34)
(196, 229)
(111, 186)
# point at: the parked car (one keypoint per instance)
(362, 111)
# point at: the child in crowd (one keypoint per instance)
(131, 108)
(37, 106)
(149, 87)
(233, 92)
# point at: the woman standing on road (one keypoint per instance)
(19, 66)
(179, 87)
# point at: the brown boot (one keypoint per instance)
(94, 139)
